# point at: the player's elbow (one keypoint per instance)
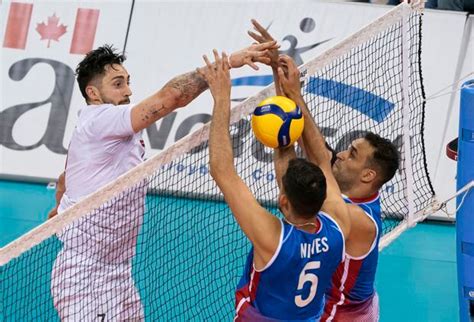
(220, 170)
(215, 169)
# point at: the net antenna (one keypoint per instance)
(188, 242)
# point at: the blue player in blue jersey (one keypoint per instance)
(360, 171)
(291, 263)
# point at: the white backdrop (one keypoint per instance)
(168, 38)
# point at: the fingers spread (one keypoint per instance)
(225, 61)
(259, 53)
(267, 45)
(284, 59)
(262, 30)
(217, 58)
(258, 38)
(206, 60)
(200, 72)
(251, 64)
(264, 60)
(281, 74)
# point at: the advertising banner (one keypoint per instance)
(42, 42)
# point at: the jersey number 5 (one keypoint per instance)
(307, 277)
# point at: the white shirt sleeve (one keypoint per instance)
(112, 122)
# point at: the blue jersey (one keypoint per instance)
(354, 279)
(293, 283)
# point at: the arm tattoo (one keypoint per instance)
(189, 85)
(152, 112)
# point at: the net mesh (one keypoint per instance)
(168, 248)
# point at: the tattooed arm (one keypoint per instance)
(181, 90)
(178, 92)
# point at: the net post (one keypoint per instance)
(406, 12)
(465, 213)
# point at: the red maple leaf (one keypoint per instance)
(51, 30)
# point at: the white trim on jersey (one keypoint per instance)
(320, 225)
(251, 280)
(373, 220)
(373, 243)
(340, 231)
(289, 233)
(239, 306)
(280, 244)
(341, 289)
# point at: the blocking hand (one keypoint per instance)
(289, 75)
(252, 54)
(263, 36)
(217, 76)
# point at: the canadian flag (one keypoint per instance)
(18, 26)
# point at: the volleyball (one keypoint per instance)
(277, 122)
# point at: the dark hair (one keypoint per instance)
(305, 186)
(94, 65)
(385, 157)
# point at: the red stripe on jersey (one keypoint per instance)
(248, 292)
(336, 292)
(343, 280)
(254, 279)
(241, 294)
(354, 268)
(366, 199)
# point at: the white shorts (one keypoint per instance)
(86, 290)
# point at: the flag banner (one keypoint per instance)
(43, 43)
(84, 30)
(17, 25)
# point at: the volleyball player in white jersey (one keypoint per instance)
(91, 278)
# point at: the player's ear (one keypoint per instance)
(283, 202)
(93, 93)
(368, 175)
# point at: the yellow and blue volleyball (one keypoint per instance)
(277, 122)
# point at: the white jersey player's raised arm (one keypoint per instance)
(91, 277)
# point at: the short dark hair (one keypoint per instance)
(305, 186)
(94, 65)
(386, 157)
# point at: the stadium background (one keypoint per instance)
(170, 46)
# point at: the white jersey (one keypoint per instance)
(103, 147)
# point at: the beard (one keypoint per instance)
(344, 182)
(107, 100)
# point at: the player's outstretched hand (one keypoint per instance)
(217, 76)
(289, 77)
(264, 36)
(252, 54)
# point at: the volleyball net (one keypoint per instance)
(160, 241)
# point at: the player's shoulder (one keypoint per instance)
(103, 109)
(328, 223)
(336, 209)
(98, 118)
(361, 218)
